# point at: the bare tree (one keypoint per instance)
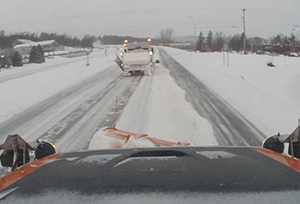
(166, 35)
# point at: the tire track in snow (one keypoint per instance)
(23, 121)
(75, 130)
(89, 102)
(230, 127)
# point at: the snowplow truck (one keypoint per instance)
(135, 58)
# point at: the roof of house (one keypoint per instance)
(23, 41)
(47, 42)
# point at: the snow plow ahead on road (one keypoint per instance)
(134, 58)
(139, 165)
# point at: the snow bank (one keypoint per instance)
(53, 61)
(158, 108)
(267, 96)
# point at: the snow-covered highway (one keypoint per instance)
(72, 115)
(69, 103)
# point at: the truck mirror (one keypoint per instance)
(44, 149)
(272, 143)
(295, 149)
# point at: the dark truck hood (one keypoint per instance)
(164, 170)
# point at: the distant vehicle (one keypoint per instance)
(135, 58)
(259, 52)
(274, 54)
(4, 62)
(294, 54)
(291, 54)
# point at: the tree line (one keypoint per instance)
(8, 40)
(211, 42)
(218, 41)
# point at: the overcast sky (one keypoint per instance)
(146, 18)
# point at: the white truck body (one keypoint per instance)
(136, 58)
(137, 61)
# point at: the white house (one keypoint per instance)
(48, 46)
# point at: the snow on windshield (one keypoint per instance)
(216, 154)
(98, 159)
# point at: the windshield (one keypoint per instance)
(90, 75)
(136, 46)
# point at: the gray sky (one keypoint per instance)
(146, 18)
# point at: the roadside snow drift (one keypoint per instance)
(267, 96)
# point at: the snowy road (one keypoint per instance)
(70, 117)
(230, 128)
(85, 102)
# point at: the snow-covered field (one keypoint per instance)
(267, 96)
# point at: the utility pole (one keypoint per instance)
(244, 21)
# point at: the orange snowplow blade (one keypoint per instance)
(124, 135)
